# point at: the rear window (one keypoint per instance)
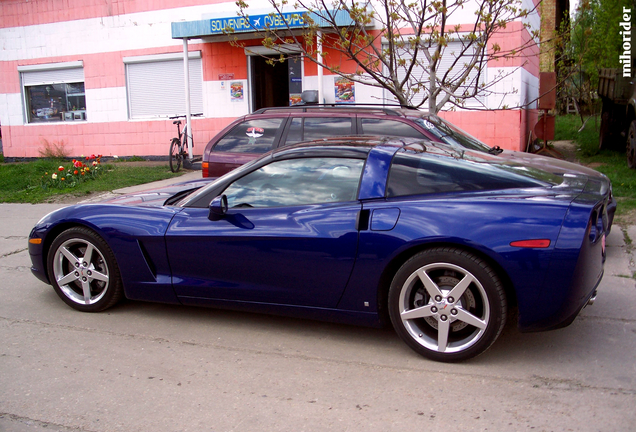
(419, 173)
(252, 136)
(313, 128)
(376, 126)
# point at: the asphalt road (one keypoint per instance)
(152, 367)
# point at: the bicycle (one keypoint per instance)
(179, 144)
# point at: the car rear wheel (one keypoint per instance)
(175, 155)
(447, 304)
(83, 271)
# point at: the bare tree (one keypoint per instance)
(407, 47)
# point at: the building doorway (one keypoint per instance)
(269, 83)
(277, 85)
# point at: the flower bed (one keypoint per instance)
(70, 176)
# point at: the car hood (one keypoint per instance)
(157, 196)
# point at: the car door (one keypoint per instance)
(289, 236)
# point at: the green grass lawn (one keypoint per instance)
(611, 163)
(23, 182)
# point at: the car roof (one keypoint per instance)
(361, 145)
(373, 109)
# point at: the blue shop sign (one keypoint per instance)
(258, 22)
(274, 21)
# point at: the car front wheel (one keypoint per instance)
(447, 304)
(83, 271)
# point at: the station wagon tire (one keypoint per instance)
(83, 270)
(447, 304)
(631, 145)
(175, 155)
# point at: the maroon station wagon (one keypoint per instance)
(250, 136)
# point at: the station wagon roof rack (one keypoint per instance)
(386, 108)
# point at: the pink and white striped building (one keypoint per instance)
(102, 76)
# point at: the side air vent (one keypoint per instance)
(149, 263)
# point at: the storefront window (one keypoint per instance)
(56, 102)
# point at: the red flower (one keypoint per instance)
(61, 168)
(75, 172)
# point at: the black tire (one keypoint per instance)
(83, 270)
(176, 156)
(631, 145)
(463, 301)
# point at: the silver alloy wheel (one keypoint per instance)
(81, 271)
(453, 298)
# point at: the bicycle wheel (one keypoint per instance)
(175, 155)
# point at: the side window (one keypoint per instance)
(252, 136)
(415, 174)
(376, 126)
(312, 128)
(297, 182)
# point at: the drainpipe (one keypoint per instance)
(186, 72)
(319, 47)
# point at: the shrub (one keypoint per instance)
(53, 150)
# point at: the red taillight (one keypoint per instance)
(205, 169)
(541, 243)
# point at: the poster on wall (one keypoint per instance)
(295, 99)
(345, 91)
(236, 91)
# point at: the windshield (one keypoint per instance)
(193, 198)
(450, 134)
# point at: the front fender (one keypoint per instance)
(135, 234)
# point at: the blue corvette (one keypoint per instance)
(437, 241)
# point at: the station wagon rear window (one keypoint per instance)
(313, 128)
(376, 126)
(252, 136)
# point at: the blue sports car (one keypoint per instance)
(437, 241)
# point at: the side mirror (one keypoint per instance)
(218, 208)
